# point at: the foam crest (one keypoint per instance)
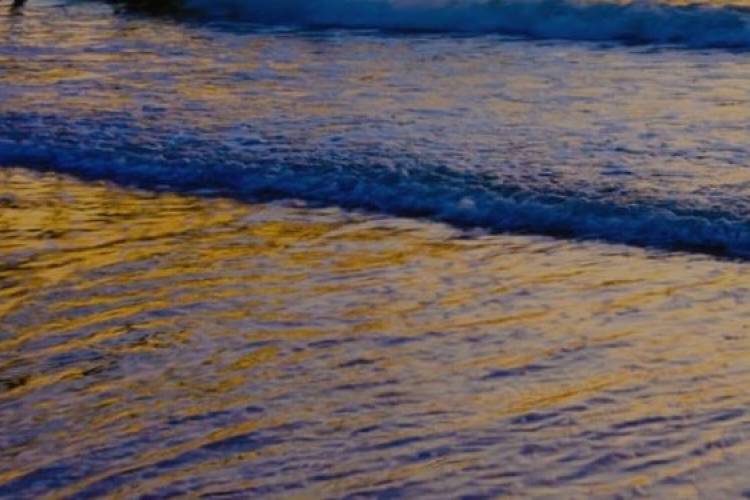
(453, 197)
(642, 22)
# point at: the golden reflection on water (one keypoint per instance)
(153, 341)
(71, 73)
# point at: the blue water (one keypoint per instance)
(638, 144)
(694, 24)
(377, 248)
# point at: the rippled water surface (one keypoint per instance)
(635, 144)
(164, 344)
(383, 259)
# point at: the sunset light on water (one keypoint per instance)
(374, 249)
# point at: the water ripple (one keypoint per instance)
(207, 347)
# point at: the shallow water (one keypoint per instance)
(164, 344)
(636, 144)
(319, 266)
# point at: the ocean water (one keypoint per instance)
(371, 248)
(156, 345)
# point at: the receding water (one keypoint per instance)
(382, 259)
(164, 344)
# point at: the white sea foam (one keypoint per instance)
(618, 145)
(454, 198)
(632, 22)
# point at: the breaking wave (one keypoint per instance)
(641, 22)
(439, 194)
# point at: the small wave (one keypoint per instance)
(453, 197)
(639, 22)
